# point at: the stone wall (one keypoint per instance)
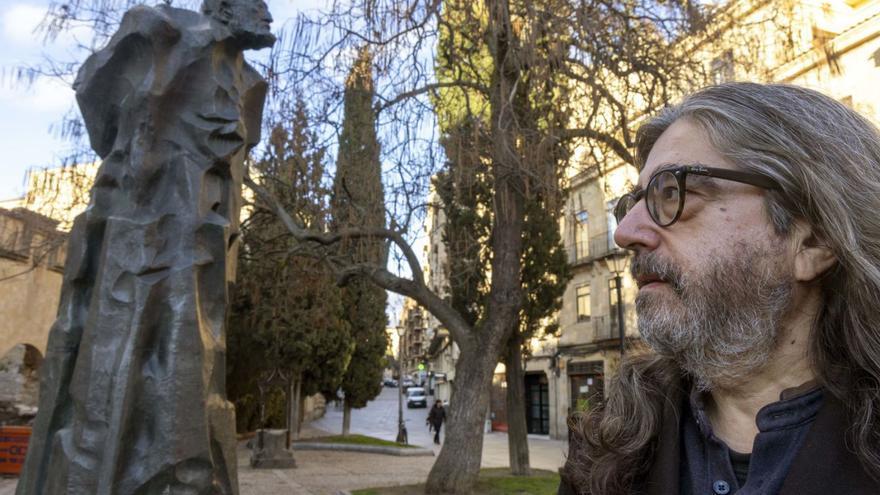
(19, 384)
(31, 264)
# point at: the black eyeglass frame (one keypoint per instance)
(680, 173)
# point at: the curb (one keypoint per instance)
(373, 449)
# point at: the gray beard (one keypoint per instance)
(720, 326)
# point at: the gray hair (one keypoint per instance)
(826, 157)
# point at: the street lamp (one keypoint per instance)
(617, 261)
(401, 426)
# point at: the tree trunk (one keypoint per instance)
(517, 431)
(346, 418)
(295, 418)
(458, 463)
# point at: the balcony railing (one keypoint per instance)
(27, 236)
(597, 247)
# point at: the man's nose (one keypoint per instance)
(637, 231)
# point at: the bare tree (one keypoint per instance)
(504, 58)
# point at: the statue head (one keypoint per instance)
(248, 20)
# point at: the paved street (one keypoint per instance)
(379, 419)
(329, 472)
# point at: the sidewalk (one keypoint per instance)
(329, 472)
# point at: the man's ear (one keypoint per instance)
(812, 257)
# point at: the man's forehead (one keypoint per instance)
(684, 142)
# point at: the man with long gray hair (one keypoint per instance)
(755, 236)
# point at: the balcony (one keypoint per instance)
(597, 247)
(26, 236)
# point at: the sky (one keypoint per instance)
(30, 114)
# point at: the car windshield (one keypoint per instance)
(415, 391)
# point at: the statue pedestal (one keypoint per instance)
(270, 451)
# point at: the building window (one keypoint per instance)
(581, 235)
(612, 223)
(722, 68)
(583, 303)
(587, 381)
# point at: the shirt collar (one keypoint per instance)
(796, 405)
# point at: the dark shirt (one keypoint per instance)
(709, 466)
(740, 464)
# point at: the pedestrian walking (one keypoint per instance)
(436, 418)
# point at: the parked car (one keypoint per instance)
(390, 382)
(407, 383)
(415, 397)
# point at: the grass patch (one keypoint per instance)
(356, 440)
(492, 481)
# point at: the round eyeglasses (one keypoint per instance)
(664, 196)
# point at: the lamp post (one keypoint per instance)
(617, 262)
(401, 425)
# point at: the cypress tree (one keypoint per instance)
(358, 201)
(286, 317)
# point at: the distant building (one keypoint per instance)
(33, 245)
(32, 252)
(442, 353)
(413, 341)
(59, 193)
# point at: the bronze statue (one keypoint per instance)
(132, 397)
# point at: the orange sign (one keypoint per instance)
(13, 448)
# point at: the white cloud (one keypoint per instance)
(45, 95)
(20, 22)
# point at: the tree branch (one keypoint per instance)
(415, 288)
(430, 87)
(615, 145)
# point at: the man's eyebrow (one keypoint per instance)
(693, 179)
(662, 167)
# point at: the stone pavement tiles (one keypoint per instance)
(317, 473)
(322, 472)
